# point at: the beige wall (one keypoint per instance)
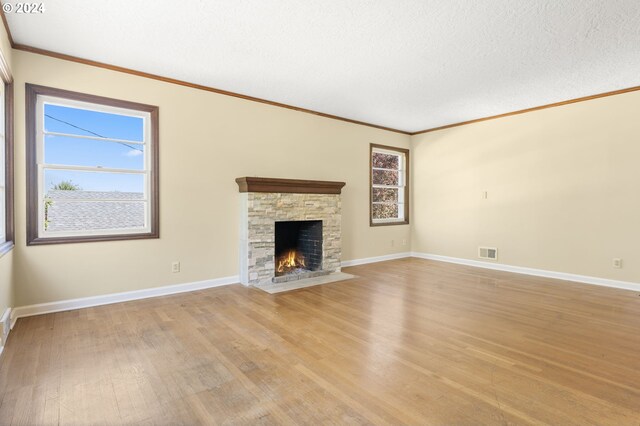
(563, 188)
(206, 141)
(6, 282)
(5, 47)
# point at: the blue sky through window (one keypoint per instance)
(94, 153)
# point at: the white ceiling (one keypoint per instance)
(405, 64)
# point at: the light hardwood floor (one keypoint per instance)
(408, 342)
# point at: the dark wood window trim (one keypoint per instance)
(32, 93)
(404, 151)
(9, 172)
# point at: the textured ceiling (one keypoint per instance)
(404, 64)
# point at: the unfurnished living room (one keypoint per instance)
(421, 212)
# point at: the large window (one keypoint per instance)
(389, 185)
(6, 167)
(92, 168)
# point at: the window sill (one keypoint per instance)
(400, 222)
(91, 239)
(6, 247)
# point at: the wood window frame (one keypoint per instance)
(6, 79)
(33, 238)
(405, 152)
(9, 224)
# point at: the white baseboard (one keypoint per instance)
(86, 302)
(106, 299)
(531, 271)
(366, 260)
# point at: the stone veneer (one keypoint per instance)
(260, 211)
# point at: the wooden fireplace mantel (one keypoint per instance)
(298, 186)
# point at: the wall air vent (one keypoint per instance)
(490, 253)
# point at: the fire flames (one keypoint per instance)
(289, 261)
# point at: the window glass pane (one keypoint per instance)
(76, 121)
(2, 161)
(108, 184)
(386, 161)
(385, 211)
(385, 177)
(2, 106)
(89, 152)
(72, 201)
(3, 190)
(387, 195)
(62, 215)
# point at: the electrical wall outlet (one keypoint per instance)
(404, 241)
(175, 267)
(617, 262)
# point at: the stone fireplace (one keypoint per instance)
(289, 229)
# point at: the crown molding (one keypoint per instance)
(6, 26)
(116, 68)
(89, 62)
(523, 111)
(170, 80)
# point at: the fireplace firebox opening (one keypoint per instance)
(298, 247)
